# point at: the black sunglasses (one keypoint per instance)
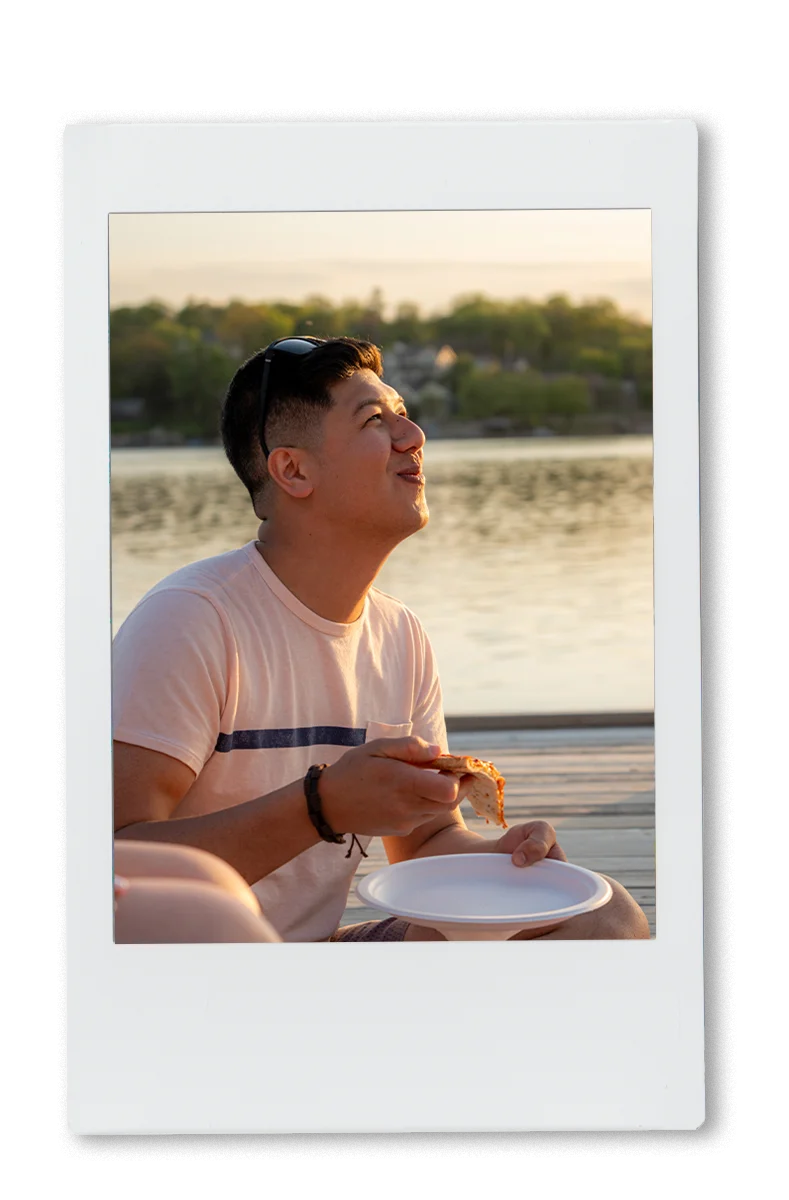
(295, 347)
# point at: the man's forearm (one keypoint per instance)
(256, 837)
(455, 839)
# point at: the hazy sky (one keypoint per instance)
(425, 257)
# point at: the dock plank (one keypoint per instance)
(596, 786)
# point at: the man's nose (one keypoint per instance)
(408, 435)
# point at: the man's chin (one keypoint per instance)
(406, 529)
(419, 518)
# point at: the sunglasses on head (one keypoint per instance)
(291, 347)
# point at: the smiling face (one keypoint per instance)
(367, 470)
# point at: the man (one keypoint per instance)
(235, 676)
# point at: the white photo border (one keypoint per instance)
(277, 1039)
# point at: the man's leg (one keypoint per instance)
(390, 929)
(421, 933)
(620, 918)
(163, 860)
(185, 910)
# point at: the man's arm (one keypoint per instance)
(448, 834)
(255, 837)
(444, 835)
(527, 844)
(170, 677)
(374, 789)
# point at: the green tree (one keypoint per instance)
(319, 318)
(469, 324)
(567, 397)
(406, 326)
(199, 375)
(519, 395)
(244, 329)
(351, 318)
(202, 317)
(559, 346)
(527, 330)
(644, 391)
(371, 323)
(592, 361)
(127, 320)
(636, 354)
(532, 398)
(140, 352)
(476, 395)
(180, 363)
(597, 323)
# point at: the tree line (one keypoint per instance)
(517, 359)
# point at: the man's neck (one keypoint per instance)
(329, 578)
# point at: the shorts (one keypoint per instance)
(392, 929)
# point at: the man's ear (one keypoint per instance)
(288, 467)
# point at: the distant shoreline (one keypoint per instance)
(594, 720)
(465, 431)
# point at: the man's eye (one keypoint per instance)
(380, 416)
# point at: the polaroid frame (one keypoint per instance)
(273, 1039)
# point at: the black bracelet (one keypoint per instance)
(314, 806)
(316, 814)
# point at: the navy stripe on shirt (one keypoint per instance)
(284, 739)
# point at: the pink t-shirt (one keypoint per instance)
(221, 667)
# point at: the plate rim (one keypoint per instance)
(594, 902)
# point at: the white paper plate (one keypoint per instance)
(469, 896)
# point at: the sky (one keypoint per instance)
(427, 258)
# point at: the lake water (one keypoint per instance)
(533, 578)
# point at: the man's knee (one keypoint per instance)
(165, 860)
(186, 910)
(622, 917)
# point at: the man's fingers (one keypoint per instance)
(531, 843)
(443, 787)
(465, 783)
(434, 787)
(462, 784)
(537, 845)
(408, 749)
(529, 852)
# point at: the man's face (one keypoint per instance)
(369, 465)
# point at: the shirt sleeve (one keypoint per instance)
(427, 720)
(170, 672)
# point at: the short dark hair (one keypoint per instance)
(298, 395)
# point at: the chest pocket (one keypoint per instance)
(377, 729)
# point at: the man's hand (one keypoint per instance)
(530, 843)
(380, 788)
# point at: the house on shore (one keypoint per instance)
(416, 372)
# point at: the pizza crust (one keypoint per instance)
(486, 795)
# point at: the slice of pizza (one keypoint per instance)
(486, 795)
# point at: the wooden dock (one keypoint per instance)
(596, 786)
